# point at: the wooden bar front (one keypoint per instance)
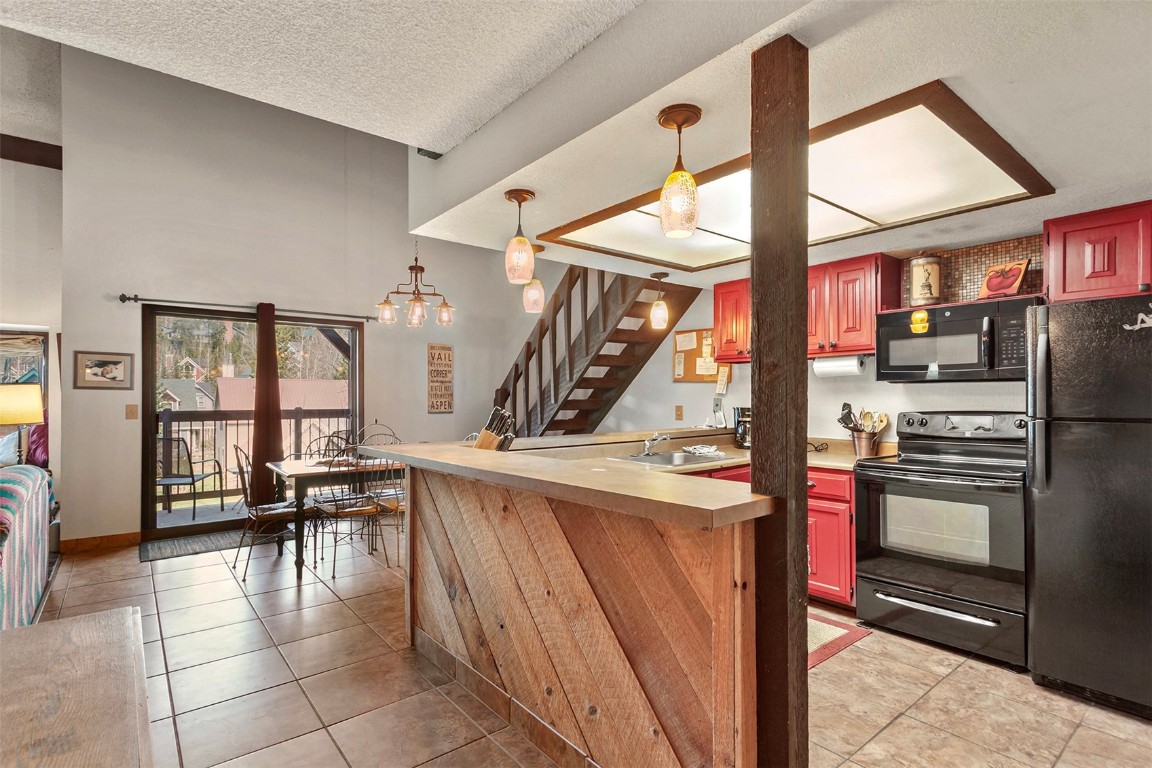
(632, 638)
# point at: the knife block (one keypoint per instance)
(487, 440)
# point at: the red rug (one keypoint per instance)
(827, 637)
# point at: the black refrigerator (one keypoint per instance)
(1089, 510)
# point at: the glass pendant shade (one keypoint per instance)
(679, 203)
(386, 312)
(534, 296)
(417, 311)
(658, 316)
(444, 313)
(519, 261)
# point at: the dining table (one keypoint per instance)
(307, 474)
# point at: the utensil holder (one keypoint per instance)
(864, 443)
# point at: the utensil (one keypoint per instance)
(866, 421)
(847, 420)
(881, 421)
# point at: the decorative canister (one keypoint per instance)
(924, 276)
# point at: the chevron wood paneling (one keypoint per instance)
(630, 638)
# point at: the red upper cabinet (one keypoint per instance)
(732, 311)
(843, 299)
(1099, 254)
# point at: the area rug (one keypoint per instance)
(827, 637)
(188, 545)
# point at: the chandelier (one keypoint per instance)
(417, 311)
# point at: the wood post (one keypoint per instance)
(780, 393)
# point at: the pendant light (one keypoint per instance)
(417, 306)
(679, 201)
(534, 291)
(518, 259)
(658, 315)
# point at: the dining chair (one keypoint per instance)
(264, 516)
(395, 505)
(362, 496)
(175, 468)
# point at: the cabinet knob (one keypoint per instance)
(819, 345)
(1144, 287)
(831, 345)
(811, 484)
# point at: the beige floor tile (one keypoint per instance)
(321, 653)
(379, 606)
(346, 565)
(111, 590)
(154, 663)
(1009, 727)
(293, 599)
(60, 583)
(1125, 726)
(265, 564)
(489, 721)
(46, 616)
(845, 726)
(159, 702)
(217, 681)
(358, 584)
(54, 601)
(198, 594)
(122, 556)
(313, 750)
(939, 661)
(361, 687)
(146, 603)
(523, 751)
(818, 757)
(208, 645)
(164, 752)
(415, 730)
(910, 743)
(484, 752)
(188, 561)
(989, 678)
(192, 576)
(201, 617)
(309, 622)
(238, 726)
(395, 633)
(151, 627)
(424, 666)
(100, 574)
(270, 581)
(1090, 748)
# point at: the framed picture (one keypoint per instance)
(102, 370)
(1004, 279)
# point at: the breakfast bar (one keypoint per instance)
(604, 610)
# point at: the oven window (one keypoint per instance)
(948, 530)
(963, 349)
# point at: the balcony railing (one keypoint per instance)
(211, 435)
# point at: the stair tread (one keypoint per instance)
(622, 360)
(642, 309)
(598, 382)
(582, 404)
(626, 335)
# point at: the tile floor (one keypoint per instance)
(268, 673)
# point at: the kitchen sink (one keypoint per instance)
(673, 459)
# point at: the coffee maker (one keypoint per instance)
(743, 419)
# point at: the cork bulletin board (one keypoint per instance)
(693, 357)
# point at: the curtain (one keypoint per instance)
(267, 431)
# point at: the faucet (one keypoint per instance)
(652, 442)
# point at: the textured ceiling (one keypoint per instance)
(421, 72)
(29, 87)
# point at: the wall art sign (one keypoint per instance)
(1004, 279)
(440, 378)
(102, 370)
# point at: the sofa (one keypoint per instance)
(24, 520)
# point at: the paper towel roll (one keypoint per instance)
(849, 365)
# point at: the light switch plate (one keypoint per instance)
(679, 413)
(131, 411)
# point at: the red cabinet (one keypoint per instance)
(732, 314)
(843, 299)
(737, 474)
(1099, 254)
(831, 536)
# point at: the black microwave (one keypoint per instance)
(956, 342)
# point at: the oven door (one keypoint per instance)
(950, 346)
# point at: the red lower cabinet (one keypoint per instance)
(738, 474)
(831, 536)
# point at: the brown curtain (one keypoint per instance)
(267, 432)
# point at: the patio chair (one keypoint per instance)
(175, 468)
(264, 516)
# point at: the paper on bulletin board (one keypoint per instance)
(706, 366)
(685, 341)
(722, 379)
(706, 346)
(679, 372)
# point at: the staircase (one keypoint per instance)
(592, 338)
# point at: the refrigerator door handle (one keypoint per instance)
(1039, 365)
(1038, 455)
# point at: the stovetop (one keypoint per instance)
(957, 444)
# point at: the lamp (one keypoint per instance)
(417, 311)
(21, 404)
(658, 315)
(679, 201)
(534, 290)
(519, 262)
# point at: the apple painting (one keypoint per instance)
(1003, 279)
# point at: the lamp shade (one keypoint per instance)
(519, 261)
(444, 312)
(386, 312)
(417, 311)
(679, 203)
(21, 404)
(658, 316)
(534, 296)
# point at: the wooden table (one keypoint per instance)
(73, 692)
(305, 475)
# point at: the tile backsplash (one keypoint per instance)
(964, 268)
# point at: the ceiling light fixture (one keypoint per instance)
(658, 316)
(519, 262)
(534, 291)
(679, 200)
(417, 305)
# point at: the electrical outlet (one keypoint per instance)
(132, 411)
(679, 413)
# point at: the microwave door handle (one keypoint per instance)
(986, 342)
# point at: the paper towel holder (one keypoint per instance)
(841, 365)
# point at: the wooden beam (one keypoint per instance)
(22, 150)
(780, 392)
